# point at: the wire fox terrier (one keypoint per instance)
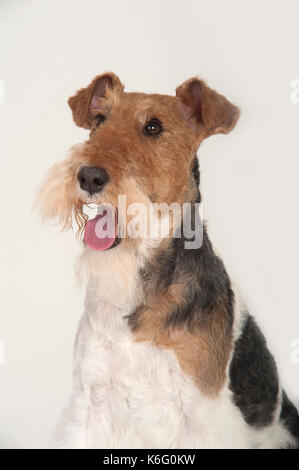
(166, 354)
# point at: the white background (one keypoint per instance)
(246, 50)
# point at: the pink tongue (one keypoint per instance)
(101, 234)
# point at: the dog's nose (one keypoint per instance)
(92, 179)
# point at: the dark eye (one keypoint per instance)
(99, 119)
(153, 127)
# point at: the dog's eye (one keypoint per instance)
(153, 127)
(100, 118)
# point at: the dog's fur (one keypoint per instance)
(166, 354)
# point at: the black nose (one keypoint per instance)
(92, 179)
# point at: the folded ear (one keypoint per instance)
(84, 103)
(207, 109)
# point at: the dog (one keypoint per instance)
(167, 354)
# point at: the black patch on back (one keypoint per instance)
(253, 376)
(289, 417)
(208, 283)
(160, 273)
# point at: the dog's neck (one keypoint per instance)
(187, 306)
(198, 275)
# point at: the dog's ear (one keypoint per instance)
(85, 102)
(206, 109)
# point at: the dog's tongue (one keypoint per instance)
(100, 232)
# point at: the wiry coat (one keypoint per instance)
(166, 354)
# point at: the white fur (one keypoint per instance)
(134, 395)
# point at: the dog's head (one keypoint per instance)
(140, 145)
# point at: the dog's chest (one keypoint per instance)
(135, 394)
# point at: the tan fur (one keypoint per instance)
(202, 352)
(147, 169)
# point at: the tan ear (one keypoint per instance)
(87, 100)
(206, 108)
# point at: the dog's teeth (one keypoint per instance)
(90, 210)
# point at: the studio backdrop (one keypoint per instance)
(48, 49)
